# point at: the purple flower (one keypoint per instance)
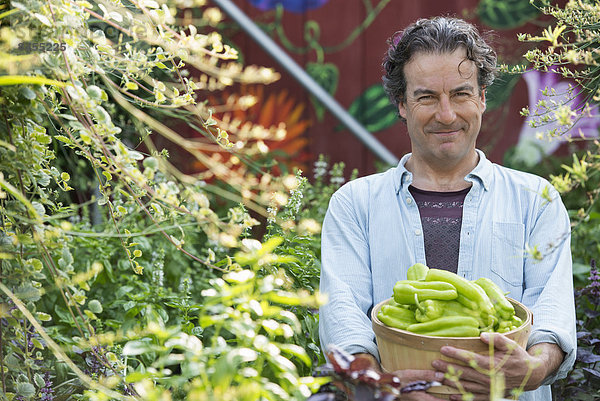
(47, 391)
(295, 6)
(594, 285)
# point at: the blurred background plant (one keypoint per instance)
(124, 276)
(568, 49)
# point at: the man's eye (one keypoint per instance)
(462, 94)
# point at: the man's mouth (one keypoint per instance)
(445, 132)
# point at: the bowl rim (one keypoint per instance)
(375, 320)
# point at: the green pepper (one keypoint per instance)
(444, 322)
(393, 316)
(454, 308)
(465, 287)
(399, 312)
(506, 325)
(405, 290)
(466, 302)
(456, 331)
(417, 272)
(503, 307)
(516, 320)
(430, 309)
(509, 324)
(506, 329)
(405, 306)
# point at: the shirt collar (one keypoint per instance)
(482, 172)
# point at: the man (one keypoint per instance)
(449, 207)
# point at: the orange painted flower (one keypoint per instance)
(264, 129)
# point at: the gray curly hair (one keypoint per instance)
(435, 35)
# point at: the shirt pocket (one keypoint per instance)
(508, 243)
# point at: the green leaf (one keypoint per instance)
(131, 86)
(95, 306)
(137, 376)
(326, 75)
(64, 139)
(39, 208)
(297, 351)
(43, 19)
(67, 117)
(94, 92)
(136, 347)
(373, 109)
(135, 155)
(39, 380)
(102, 115)
(37, 343)
(43, 138)
(285, 298)
(12, 362)
(27, 292)
(67, 258)
(28, 93)
(25, 389)
(44, 317)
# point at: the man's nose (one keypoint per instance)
(445, 113)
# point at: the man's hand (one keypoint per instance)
(408, 376)
(521, 368)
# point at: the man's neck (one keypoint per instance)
(441, 177)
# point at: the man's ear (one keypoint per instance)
(482, 99)
(402, 109)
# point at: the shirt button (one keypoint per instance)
(417, 232)
(408, 200)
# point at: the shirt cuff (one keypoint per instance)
(359, 349)
(568, 347)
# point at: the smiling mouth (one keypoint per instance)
(445, 130)
(445, 133)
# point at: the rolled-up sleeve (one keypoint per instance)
(549, 283)
(346, 277)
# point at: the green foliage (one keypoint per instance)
(298, 224)
(569, 48)
(120, 276)
(327, 76)
(502, 14)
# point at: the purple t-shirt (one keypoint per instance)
(441, 218)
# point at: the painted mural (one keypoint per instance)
(341, 44)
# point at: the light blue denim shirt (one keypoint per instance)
(372, 234)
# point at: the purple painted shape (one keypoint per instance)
(295, 6)
(586, 126)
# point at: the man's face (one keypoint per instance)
(443, 106)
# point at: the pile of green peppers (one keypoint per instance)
(437, 302)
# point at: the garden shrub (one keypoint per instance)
(122, 277)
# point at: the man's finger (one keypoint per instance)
(500, 341)
(459, 354)
(411, 375)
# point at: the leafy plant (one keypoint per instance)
(569, 48)
(582, 383)
(134, 285)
